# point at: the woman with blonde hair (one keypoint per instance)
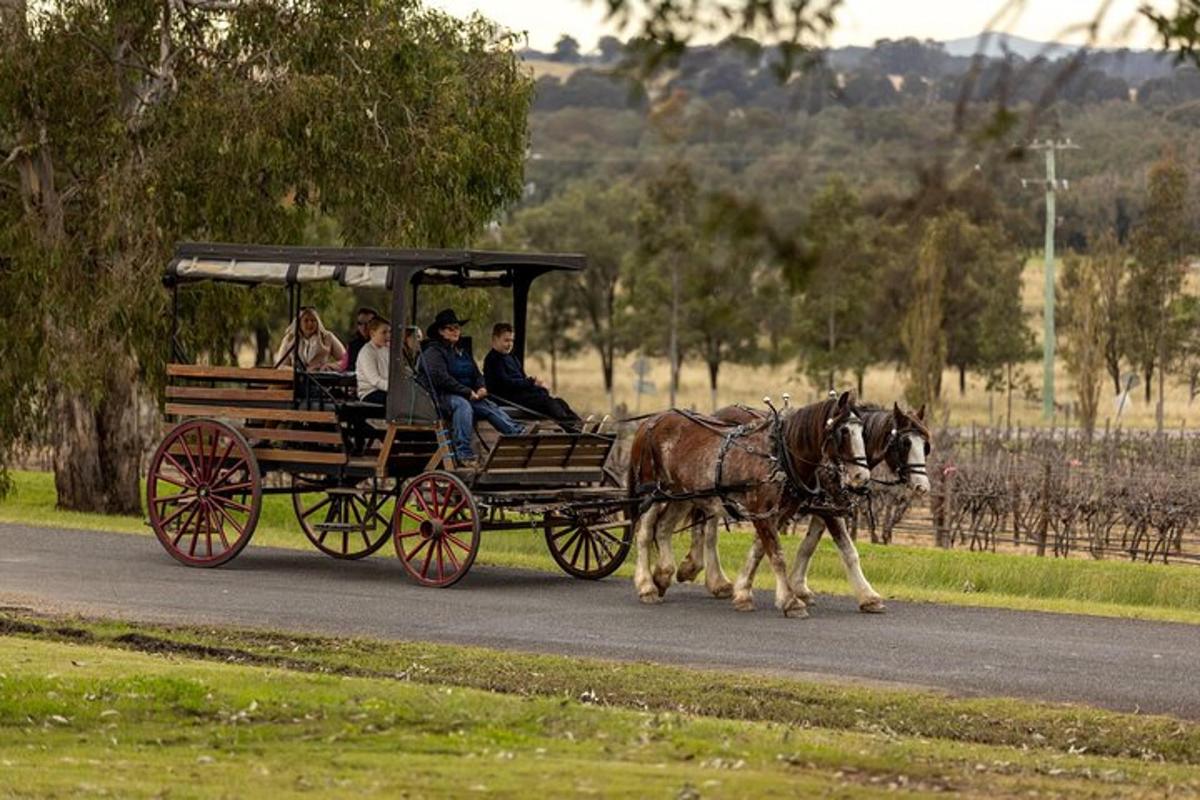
(316, 348)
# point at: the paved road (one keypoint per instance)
(1120, 664)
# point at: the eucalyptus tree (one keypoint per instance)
(126, 125)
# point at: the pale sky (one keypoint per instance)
(859, 21)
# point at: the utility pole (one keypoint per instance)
(1048, 341)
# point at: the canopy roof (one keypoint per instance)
(373, 267)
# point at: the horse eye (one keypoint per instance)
(927, 449)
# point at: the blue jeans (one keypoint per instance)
(462, 419)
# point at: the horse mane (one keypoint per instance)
(804, 433)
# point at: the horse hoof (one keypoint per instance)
(723, 591)
(650, 598)
(662, 580)
(796, 612)
(743, 603)
(874, 606)
(809, 598)
(687, 572)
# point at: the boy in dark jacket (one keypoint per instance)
(506, 379)
(459, 387)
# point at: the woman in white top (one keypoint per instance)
(371, 369)
(318, 349)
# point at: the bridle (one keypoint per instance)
(896, 457)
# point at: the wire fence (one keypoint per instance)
(1052, 493)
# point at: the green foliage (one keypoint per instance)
(921, 332)
(1079, 318)
(1160, 245)
(406, 126)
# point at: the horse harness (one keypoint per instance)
(781, 459)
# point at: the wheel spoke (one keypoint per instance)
(428, 559)
(175, 498)
(183, 528)
(571, 541)
(413, 515)
(162, 476)
(324, 502)
(189, 477)
(440, 561)
(453, 560)
(446, 500)
(457, 509)
(231, 502)
(417, 493)
(182, 508)
(222, 479)
(564, 532)
(409, 558)
(578, 546)
(466, 548)
(236, 526)
(460, 526)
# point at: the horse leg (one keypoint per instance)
(643, 583)
(785, 599)
(869, 601)
(743, 585)
(799, 574)
(664, 570)
(714, 580)
(693, 562)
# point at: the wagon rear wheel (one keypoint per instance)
(589, 546)
(436, 529)
(348, 520)
(203, 493)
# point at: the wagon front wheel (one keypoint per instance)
(203, 493)
(436, 529)
(588, 546)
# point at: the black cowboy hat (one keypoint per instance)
(447, 317)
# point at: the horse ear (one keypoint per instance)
(921, 412)
(846, 399)
(897, 414)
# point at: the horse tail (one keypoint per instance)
(643, 475)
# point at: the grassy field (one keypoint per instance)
(1109, 588)
(104, 708)
(579, 381)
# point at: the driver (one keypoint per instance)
(459, 387)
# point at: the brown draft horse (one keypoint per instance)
(765, 470)
(897, 439)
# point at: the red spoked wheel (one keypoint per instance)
(344, 521)
(203, 493)
(589, 546)
(436, 529)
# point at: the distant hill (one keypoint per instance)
(995, 45)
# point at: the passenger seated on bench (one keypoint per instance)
(362, 318)
(412, 345)
(507, 380)
(458, 385)
(371, 369)
(318, 349)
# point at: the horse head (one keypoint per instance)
(843, 441)
(908, 448)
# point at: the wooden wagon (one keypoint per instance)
(361, 474)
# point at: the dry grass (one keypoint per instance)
(579, 380)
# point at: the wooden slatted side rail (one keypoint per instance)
(248, 413)
(563, 451)
(234, 374)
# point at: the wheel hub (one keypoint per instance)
(202, 492)
(430, 528)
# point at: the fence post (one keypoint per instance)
(1044, 522)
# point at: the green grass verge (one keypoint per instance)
(91, 708)
(1108, 588)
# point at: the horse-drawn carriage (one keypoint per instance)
(358, 473)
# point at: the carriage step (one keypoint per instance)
(341, 526)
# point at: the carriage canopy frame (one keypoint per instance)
(394, 270)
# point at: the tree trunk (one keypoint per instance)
(859, 374)
(1008, 398)
(97, 450)
(713, 368)
(1149, 375)
(962, 381)
(1159, 411)
(606, 369)
(673, 338)
(553, 365)
(262, 347)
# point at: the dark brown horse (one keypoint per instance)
(765, 470)
(899, 440)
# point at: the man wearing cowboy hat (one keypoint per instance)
(458, 386)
